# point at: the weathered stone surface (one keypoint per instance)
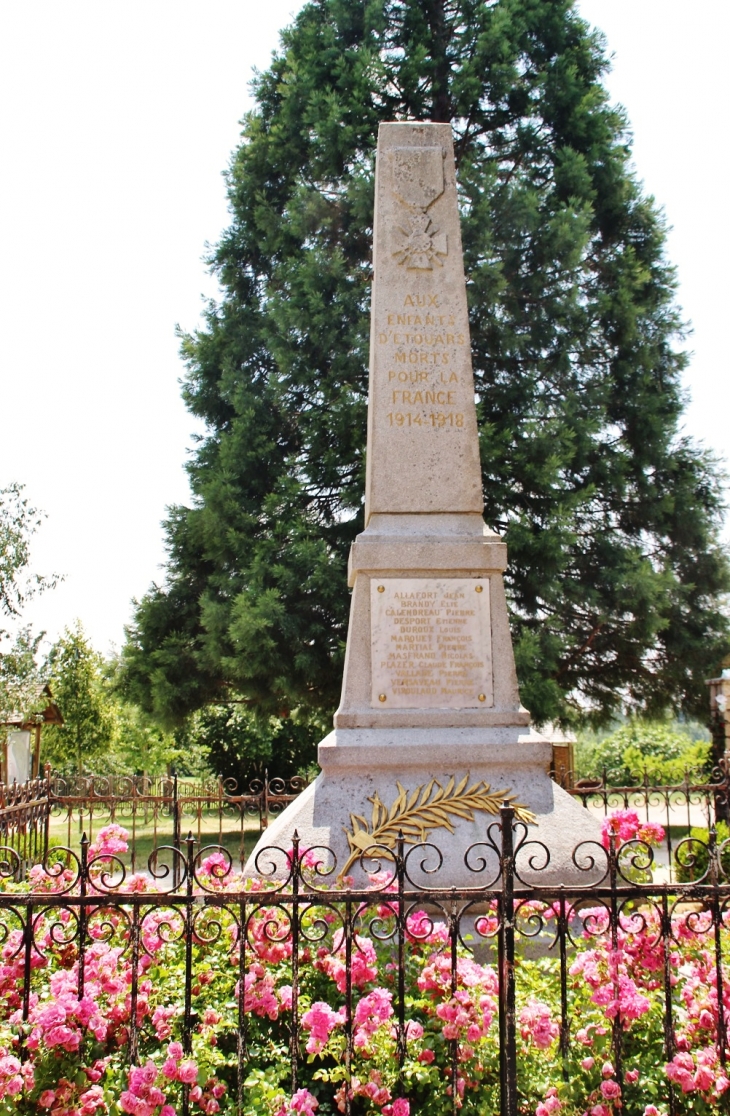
(461, 719)
(358, 765)
(421, 546)
(423, 454)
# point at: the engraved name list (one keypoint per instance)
(431, 643)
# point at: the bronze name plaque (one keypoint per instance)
(431, 643)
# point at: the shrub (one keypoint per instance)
(662, 752)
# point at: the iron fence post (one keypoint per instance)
(134, 992)
(47, 818)
(668, 1022)
(401, 926)
(295, 913)
(616, 1021)
(348, 930)
(242, 1029)
(562, 927)
(715, 877)
(187, 1035)
(506, 946)
(27, 953)
(454, 1043)
(83, 913)
(176, 838)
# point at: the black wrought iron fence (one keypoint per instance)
(24, 819)
(160, 810)
(387, 992)
(694, 804)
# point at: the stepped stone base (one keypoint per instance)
(357, 764)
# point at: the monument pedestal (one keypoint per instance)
(428, 642)
(363, 766)
(430, 736)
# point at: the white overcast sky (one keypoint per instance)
(116, 121)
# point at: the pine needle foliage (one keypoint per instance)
(610, 513)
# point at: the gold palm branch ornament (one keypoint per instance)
(430, 806)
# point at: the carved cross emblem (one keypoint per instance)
(417, 181)
(422, 243)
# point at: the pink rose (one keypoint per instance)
(704, 1078)
(651, 833)
(304, 1103)
(47, 1098)
(611, 1090)
(187, 1072)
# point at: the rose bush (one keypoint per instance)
(113, 972)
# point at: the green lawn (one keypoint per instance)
(148, 834)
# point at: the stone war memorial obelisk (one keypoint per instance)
(430, 736)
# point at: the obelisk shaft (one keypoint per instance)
(428, 642)
(423, 451)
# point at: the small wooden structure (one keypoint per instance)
(563, 764)
(720, 713)
(49, 714)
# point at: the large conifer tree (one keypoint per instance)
(610, 514)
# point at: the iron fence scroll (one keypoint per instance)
(194, 904)
(696, 802)
(160, 809)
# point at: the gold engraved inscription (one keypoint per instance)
(431, 643)
(423, 342)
